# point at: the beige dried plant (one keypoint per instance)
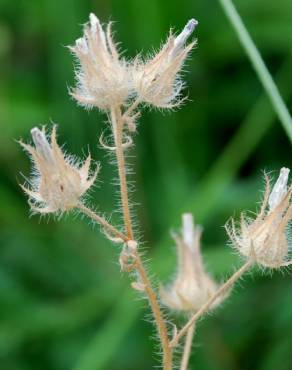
(59, 181)
(103, 77)
(116, 86)
(157, 81)
(266, 237)
(193, 286)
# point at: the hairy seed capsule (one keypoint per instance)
(265, 238)
(58, 184)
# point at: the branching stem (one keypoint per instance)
(102, 221)
(117, 125)
(132, 107)
(228, 284)
(187, 347)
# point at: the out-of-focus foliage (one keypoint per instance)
(63, 302)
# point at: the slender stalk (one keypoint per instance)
(160, 323)
(187, 347)
(259, 66)
(102, 221)
(117, 125)
(212, 299)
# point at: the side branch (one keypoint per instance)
(102, 221)
(209, 303)
(187, 347)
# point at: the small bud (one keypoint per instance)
(138, 286)
(128, 256)
(58, 184)
(265, 238)
(132, 246)
(192, 286)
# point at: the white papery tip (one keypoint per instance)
(191, 25)
(188, 229)
(180, 40)
(41, 144)
(93, 21)
(96, 29)
(39, 138)
(280, 188)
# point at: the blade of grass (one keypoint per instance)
(258, 64)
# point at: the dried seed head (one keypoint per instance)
(58, 182)
(103, 78)
(265, 238)
(157, 81)
(192, 286)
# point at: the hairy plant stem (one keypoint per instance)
(187, 347)
(160, 323)
(117, 125)
(102, 221)
(228, 284)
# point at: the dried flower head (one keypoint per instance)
(192, 286)
(265, 238)
(103, 78)
(58, 181)
(157, 81)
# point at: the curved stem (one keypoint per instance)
(117, 125)
(209, 303)
(102, 221)
(187, 347)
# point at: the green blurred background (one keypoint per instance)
(63, 302)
